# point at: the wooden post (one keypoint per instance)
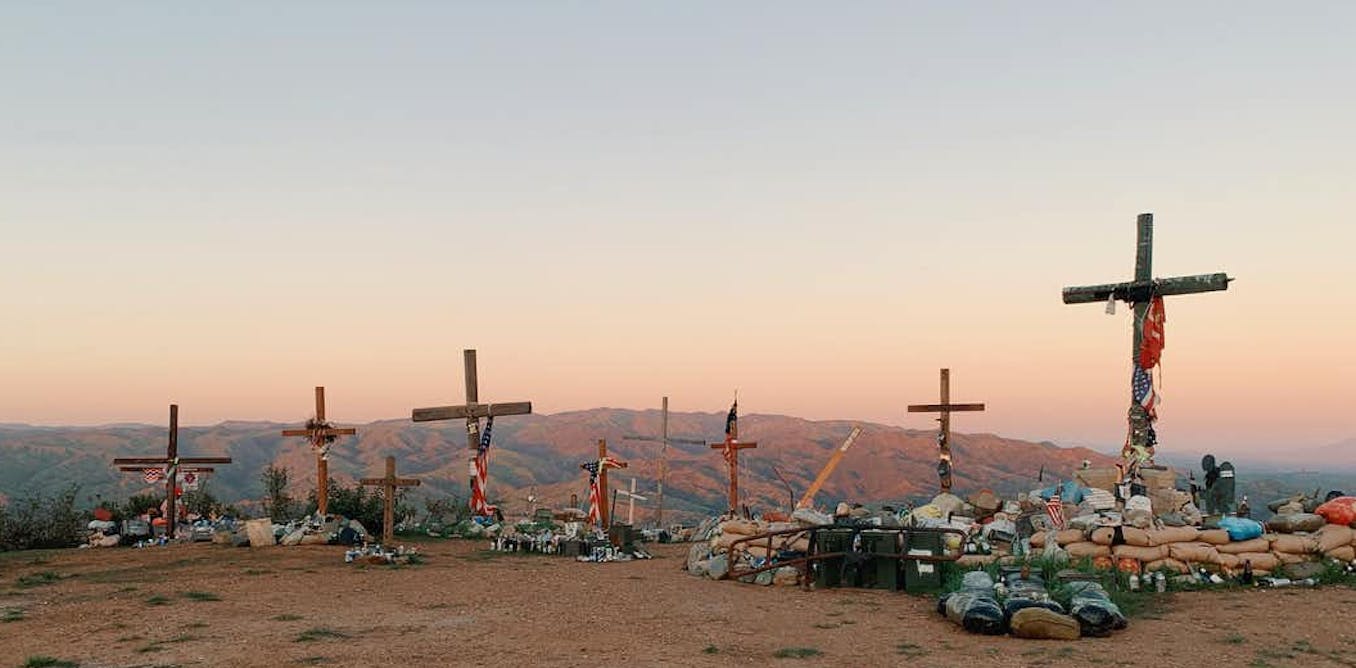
(602, 483)
(731, 447)
(389, 485)
(945, 409)
(321, 434)
(472, 411)
(664, 440)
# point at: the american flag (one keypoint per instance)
(1142, 384)
(480, 471)
(595, 493)
(1055, 509)
(152, 476)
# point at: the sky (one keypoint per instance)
(819, 205)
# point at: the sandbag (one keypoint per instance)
(1229, 561)
(1137, 537)
(1341, 510)
(742, 527)
(1140, 553)
(1067, 536)
(1214, 536)
(1261, 561)
(1293, 543)
(1343, 553)
(1102, 536)
(1333, 536)
(1287, 558)
(949, 504)
(1241, 528)
(1096, 614)
(976, 560)
(1194, 553)
(1086, 549)
(1171, 535)
(1295, 522)
(1167, 565)
(1042, 624)
(1038, 539)
(1239, 547)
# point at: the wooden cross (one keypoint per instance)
(472, 410)
(321, 434)
(631, 498)
(731, 445)
(603, 490)
(1140, 292)
(172, 462)
(389, 485)
(665, 440)
(946, 408)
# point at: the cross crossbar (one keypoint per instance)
(473, 411)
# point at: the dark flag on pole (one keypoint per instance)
(732, 419)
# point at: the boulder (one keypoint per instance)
(1304, 569)
(717, 566)
(293, 537)
(1042, 624)
(765, 578)
(315, 539)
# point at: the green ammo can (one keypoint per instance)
(884, 570)
(829, 572)
(922, 576)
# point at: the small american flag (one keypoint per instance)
(1055, 509)
(1143, 386)
(152, 475)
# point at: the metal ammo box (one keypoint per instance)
(922, 576)
(883, 571)
(829, 572)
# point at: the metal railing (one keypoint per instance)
(803, 563)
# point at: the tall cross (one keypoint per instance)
(665, 440)
(472, 411)
(172, 462)
(604, 490)
(1140, 292)
(389, 485)
(731, 445)
(946, 408)
(321, 434)
(631, 498)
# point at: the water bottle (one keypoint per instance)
(1160, 582)
(1134, 582)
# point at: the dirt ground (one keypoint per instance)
(208, 605)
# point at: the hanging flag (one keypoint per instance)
(190, 481)
(1142, 385)
(595, 492)
(731, 430)
(1055, 509)
(1151, 340)
(480, 466)
(152, 476)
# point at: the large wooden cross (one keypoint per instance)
(389, 485)
(472, 411)
(945, 408)
(664, 440)
(1140, 292)
(731, 447)
(172, 462)
(321, 434)
(604, 492)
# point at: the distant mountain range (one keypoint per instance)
(542, 453)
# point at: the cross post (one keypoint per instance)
(1141, 293)
(321, 434)
(945, 408)
(471, 411)
(389, 485)
(731, 447)
(172, 462)
(664, 440)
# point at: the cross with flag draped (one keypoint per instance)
(597, 470)
(480, 467)
(730, 448)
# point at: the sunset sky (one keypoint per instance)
(226, 204)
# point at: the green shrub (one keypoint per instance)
(37, 521)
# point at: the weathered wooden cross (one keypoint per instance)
(946, 408)
(389, 485)
(321, 434)
(731, 447)
(631, 498)
(1140, 292)
(664, 440)
(472, 411)
(172, 462)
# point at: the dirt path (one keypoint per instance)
(216, 606)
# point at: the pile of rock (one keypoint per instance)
(311, 530)
(103, 533)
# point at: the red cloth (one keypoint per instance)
(1151, 345)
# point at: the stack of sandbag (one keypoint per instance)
(738, 529)
(974, 607)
